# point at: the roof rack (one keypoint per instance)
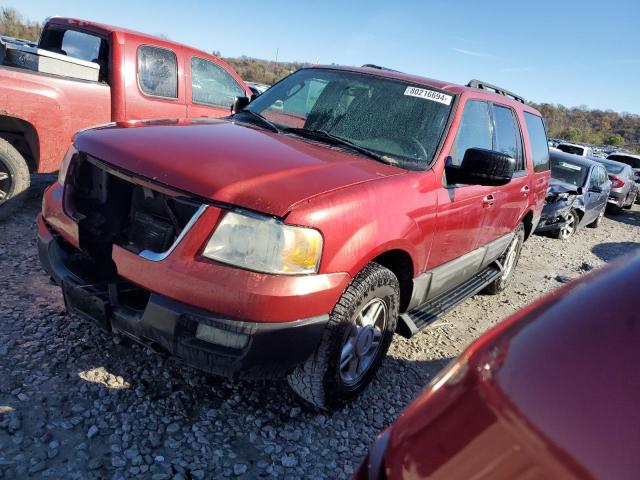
(371, 65)
(499, 90)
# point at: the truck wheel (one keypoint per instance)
(354, 343)
(509, 261)
(14, 179)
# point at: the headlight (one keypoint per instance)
(265, 244)
(65, 163)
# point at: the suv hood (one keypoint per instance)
(229, 162)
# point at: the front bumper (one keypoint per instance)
(554, 217)
(210, 342)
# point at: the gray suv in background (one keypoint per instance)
(624, 189)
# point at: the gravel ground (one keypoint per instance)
(76, 402)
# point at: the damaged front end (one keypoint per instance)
(557, 206)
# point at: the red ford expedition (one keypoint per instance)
(297, 236)
(83, 74)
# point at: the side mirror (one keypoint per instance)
(239, 103)
(482, 167)
(595, 189)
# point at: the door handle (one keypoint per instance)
(525, 190)
(488, 200)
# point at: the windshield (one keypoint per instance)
(631, 161)
(568, 172)
(400, 122)
(571, 149)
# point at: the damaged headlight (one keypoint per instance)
(264, 244)
(66, 161)
(558, 197)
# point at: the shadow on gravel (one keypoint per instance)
(628, 217)
(611, 250)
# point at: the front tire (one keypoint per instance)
(509, 261)
(355, 341)
(569, 228)
(14, 179)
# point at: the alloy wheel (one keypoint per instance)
(6, 182)
(510, 258)
(365, 337)
(569, 228)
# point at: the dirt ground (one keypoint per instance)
(76, 402)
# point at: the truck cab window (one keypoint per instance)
(157, 71)
(213, 85)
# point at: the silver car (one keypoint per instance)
(632, 160)
(624, 189)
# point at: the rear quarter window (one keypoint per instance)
(158, 72)
(538, 140)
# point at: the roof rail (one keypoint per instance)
(499, 90)
(371, 65)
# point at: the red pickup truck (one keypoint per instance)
(82, 74)
(296, 237)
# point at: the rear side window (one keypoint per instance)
(475, 130)
(507, 138)
(213, 85)
(157, 71)
(539, 142)
(631, 161)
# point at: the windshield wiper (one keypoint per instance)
(334, 139)
(271, 126)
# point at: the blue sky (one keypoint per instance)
(564, 51)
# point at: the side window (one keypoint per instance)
(538, 139)
(604, 178)
(474, 131)
(157, 71)
(507, 138)
(213, 85)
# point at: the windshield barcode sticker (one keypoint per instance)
(428, 95)
(570, 166)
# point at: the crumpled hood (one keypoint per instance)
(230, 162)
(558, 186)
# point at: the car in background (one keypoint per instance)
(632, 160)
(624, 190)
(577, 195)
(580, 150)
(551, 392)
(257, 88)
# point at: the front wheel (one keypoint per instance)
(509, 261)
(569, 227)
(355, 341)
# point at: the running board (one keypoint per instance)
(418, 318)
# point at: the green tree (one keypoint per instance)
(571, 133)
(13, 25)
(614, 139)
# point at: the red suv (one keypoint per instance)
(298, 235)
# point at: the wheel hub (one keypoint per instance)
(364, 340)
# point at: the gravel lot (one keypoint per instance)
(76, 402)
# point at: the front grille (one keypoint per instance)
(115, 207)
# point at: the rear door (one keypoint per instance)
(211, 89)
(537, 151)
(509, 201)
(157, 89)
(594, 201)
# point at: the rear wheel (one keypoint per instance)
(509, 261)
(354, 343)
(631, 202)
(14, 179)
(596, 223)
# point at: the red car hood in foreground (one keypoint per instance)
(230, 162)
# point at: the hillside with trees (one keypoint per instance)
(579, 124)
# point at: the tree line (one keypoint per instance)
(579, 124)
